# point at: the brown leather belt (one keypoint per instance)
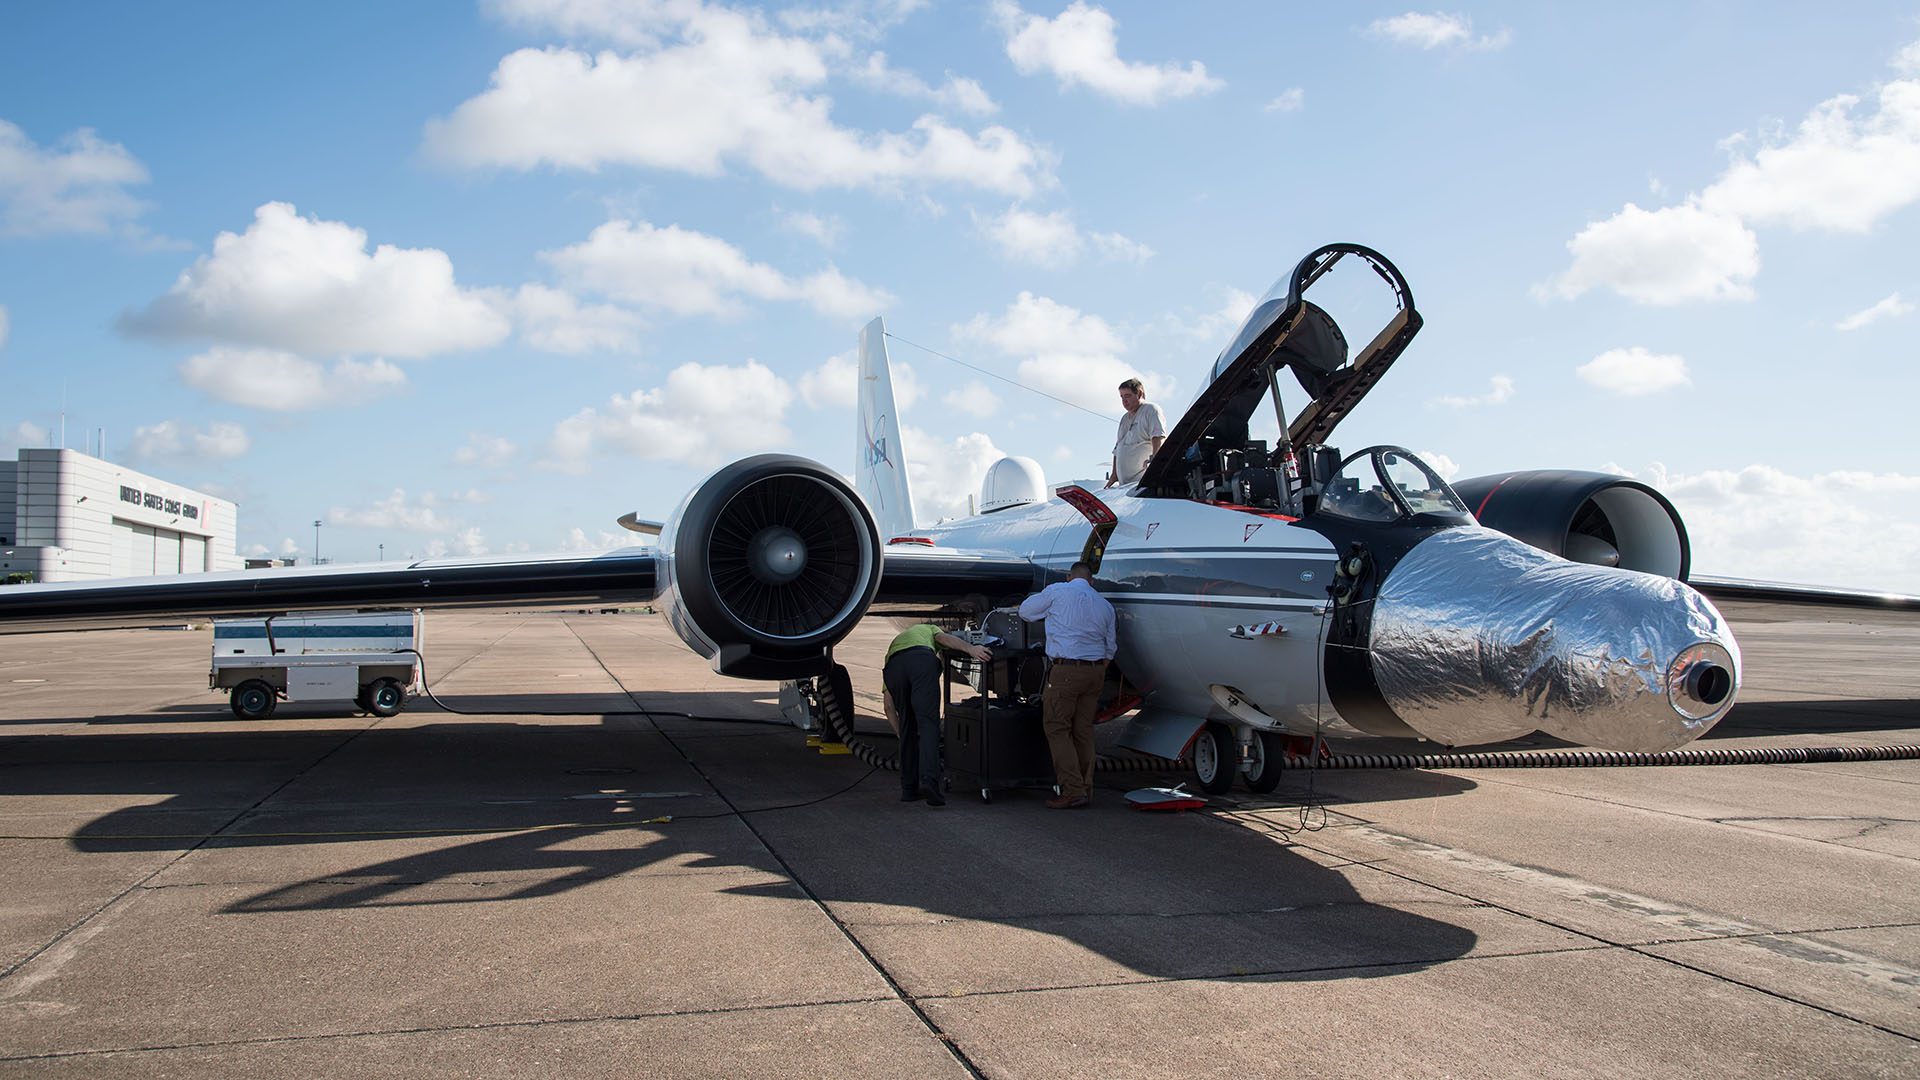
(1068, 660)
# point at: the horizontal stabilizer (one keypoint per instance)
(634, 523)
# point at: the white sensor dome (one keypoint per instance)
(1012, 481)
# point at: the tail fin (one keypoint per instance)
(880, 465)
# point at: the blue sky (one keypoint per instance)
(458, 278)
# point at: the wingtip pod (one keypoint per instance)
(1478, 637)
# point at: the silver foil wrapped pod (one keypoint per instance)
(1477, 637)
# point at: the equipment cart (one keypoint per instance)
(344, 656)
(994, 738)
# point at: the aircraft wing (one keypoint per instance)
(1720, 588)
(913, 579)
(624, 575)
(926, 580)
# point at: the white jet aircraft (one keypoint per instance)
(1261, 590)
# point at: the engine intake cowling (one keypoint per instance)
(767, 565)
(1588, 517)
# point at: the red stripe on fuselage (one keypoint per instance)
(1488, 497)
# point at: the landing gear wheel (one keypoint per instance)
(1269, 749)
(1216, 758)
(386, 698)
(253, 700)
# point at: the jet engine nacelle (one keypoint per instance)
(766, 565)
(1587, 517)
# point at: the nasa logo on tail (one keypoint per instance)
(877, 456)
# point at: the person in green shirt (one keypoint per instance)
(912, 679)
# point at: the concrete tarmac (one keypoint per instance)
(632, 892)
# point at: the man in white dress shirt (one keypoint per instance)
(1142, 430)
(1080, 642)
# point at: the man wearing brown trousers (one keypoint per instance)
(1080, 642)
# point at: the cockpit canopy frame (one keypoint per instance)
(1287, 331)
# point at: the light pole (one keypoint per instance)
(316, 541)
(383, 553)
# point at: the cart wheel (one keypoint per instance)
(1216, 756)
(986, 794)
(386, 698)
(253, 700)
(1263, 772)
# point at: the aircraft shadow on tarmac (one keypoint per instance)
(1838, 717)
(1163, 895)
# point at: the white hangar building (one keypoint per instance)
(69, 516)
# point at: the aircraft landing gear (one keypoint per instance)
(1264, 755)
(1216, 758)
(1222, 752)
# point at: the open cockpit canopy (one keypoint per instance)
(1208, 450)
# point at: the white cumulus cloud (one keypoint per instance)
(281, 381)
(944, 474)
(467, 541)
(1848, 528)
(1842, 169)
(578, 539)
(957, 92)
(1663, 257)
(701, 415)
(1441, 463)
(1064, 352)
(1114, 247)
(1892, 307)
(688, 272)
(1634, 371)
(835, 383)
(1837, 171)
(1499, 392)
(396, 511)
(554, 320)
(1437, 30)
(705, 88)
(77, 185)
(487, 451)
(824, 230)
(1080, 47)
(178, 439)
(1290, 100)
(25, 434)
(1052, 240)
(304, 285)
(974, 399)
(1214, 327)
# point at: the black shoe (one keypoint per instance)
(909, 796)
(934, 798)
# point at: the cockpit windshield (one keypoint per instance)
(1386, 483)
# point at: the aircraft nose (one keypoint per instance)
(1477, 637)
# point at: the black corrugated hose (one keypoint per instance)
(1599, 759)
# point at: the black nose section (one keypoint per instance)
(1708, 683)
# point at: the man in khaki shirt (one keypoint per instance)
(1142, 430)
